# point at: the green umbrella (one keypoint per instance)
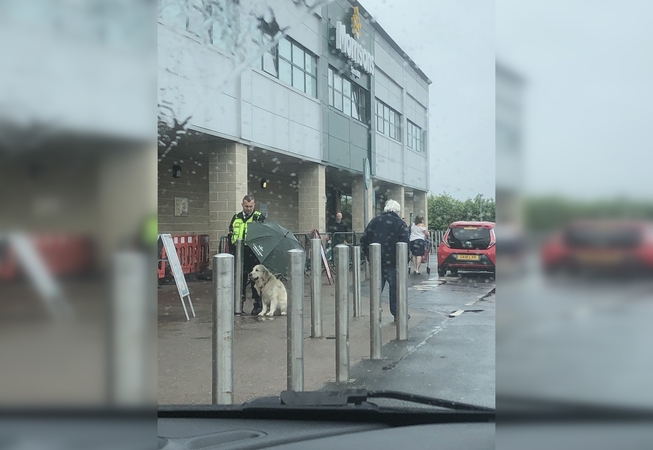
(270, 243)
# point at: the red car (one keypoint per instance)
(468, 246)
(600, 245)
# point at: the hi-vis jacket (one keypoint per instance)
(238, 225)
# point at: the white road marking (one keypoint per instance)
(457, 313)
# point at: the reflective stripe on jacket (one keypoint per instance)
(239, 226)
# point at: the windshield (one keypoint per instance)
(469, 237)
(280, 122)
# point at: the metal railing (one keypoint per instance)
(436, 237)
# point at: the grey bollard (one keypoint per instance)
(238, 303)
(295, 323)
(316, 288)
(130, 345)
(356, 271)
(342, 313)
(402, 291)
(223, 330)
(375, 301)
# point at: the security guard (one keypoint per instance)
(238, 230)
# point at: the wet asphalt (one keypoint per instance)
(446, 357)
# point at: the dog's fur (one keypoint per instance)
(272, 291)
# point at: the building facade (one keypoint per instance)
(293, 122)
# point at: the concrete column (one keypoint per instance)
(126, 195)
(408, 207)
(420, 205)
(397, 194)
(227, 187)
(312, 198)
(357, 204)
(370, 204)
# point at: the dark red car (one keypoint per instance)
(600, 245)
(468, 246)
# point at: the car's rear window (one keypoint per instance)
(597, 236)
(469, 237)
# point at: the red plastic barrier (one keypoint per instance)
(185, 244)
(8, 265)
(203, 260)
(62, 255)
(192, 251)
(161, 264)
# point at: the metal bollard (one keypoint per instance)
(357, 280)
(375, 301)
(238, 303)
(402, 291)
(130, 346)
(342, 313)
(316, 288)
(295, 341)
(223, 329)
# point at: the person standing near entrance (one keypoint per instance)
(339, 227)
(238, 230)
(418, 236)
(387, 229)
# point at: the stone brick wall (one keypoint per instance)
(194, 186)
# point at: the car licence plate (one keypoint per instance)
(467, 257)
(601, 258)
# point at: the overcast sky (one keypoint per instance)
(589, 100)
(452, 41)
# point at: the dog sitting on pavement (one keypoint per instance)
(272, 291)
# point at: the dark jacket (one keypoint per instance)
(339, 228)
(386, 229)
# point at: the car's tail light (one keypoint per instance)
(445, 239)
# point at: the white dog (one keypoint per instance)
(272, 291)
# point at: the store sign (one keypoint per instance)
(356, 25)
(353, 50)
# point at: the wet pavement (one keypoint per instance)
(445, 357)
(576, 338)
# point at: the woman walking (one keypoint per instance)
(418, 236)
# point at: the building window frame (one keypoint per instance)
(388, 121)
(414, 137)
(347, 97)
(293, 64)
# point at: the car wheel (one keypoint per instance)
(442, 271)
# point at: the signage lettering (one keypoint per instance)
(353, 50)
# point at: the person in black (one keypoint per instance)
(339, 227)
(238, 230)
(387, 229)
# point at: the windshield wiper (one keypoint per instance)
(359, 396)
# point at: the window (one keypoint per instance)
(347, 97)
(293, 65)
(415, 138)
(388, 121)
